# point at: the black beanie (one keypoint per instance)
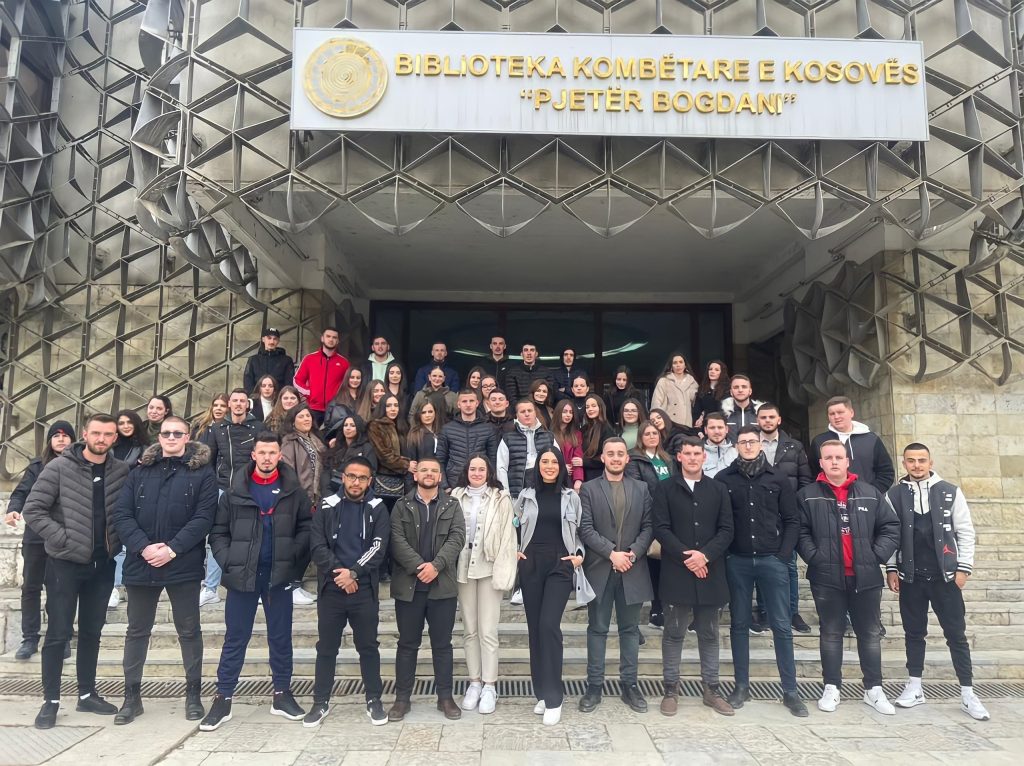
(60, 425)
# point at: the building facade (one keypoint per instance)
(157, 211)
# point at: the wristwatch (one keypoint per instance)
(172, 554)
(632, 557)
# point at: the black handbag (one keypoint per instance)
(388, 485)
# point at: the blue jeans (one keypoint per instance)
(628, 618)
(794, 590)
(213, 571)
(772, 576)
(239, 616)
(119, 568)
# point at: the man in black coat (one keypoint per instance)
(616, 530)
(869, 458)
(847, 533)
(520, 376)
(260, 538)
(269, 360)
(789, 459)
(766, 526)
(163, 515)
(348, 541)
(71, 507)
(693, 522)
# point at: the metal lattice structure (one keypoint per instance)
(133, 134)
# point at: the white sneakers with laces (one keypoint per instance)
(912, 696)
(488, 700)
(875, 698)
(472, 696)
(517, 597)
(302, 597)
(829, 699)
(114, 600)
(208, 597)
(971, 705)
(539, 708)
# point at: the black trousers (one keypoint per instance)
(33, 574)
(546, 582)
(439, 615)
(948, 602)
(654, 567)
(361, 610)
(142, 603)
(864, 608)
(69, 586)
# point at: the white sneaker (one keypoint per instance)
(875, 697)
(552, 715)
(539, 708)
(114, 600)
(912, 697)
(488, 700)
(971, 705)
(472, 696)
(829, 699)
(208, 597)
(517, 597)
(301, 597)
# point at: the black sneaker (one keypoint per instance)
(27, 649)
(881, 631)
(657, 620)
(220, 712)
(375, 710)
(799, 625)
(316, 714)
(47, 716)
(94, 703)
(634, 698)
(757, 628)
(691, 628)
(286, 707)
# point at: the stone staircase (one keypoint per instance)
(995, 619)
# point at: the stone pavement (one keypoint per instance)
(762, 734)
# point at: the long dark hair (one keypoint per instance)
(534, 479)
(138, 437)
(593, 429)
(564, 433)
(492, 479)
(403, 387)
(417, 430)
(630, 388)
(288, 426)
(721, 389)
(337, 456)
(667, 431)
(659, 450)
(380, 412)
(344, 394)
(667, 370)
(641, 411)
(256, 396)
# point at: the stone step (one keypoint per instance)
(514, 635)
(166, 663)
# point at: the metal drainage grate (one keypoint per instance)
(508, 687)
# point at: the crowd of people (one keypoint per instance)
(523, 483)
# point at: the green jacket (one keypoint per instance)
(449, 537)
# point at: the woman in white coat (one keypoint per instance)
(487, 568)
(675, 391)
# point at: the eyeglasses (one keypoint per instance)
(357, 479)
(748, 442)
(173, 434)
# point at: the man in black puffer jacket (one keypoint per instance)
(847, 533)
(469, 433)
(163, 515)
(233, 439)
(520, 376)
(260, 538)
(71, 506)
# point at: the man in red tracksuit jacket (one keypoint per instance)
(320, 373)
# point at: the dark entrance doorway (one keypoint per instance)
(605, 337)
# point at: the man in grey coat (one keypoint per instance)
(616, 529)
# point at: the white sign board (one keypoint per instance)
(608, 85)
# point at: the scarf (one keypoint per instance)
(752, 468)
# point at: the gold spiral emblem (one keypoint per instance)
(345, 77)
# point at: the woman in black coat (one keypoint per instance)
(713, 389)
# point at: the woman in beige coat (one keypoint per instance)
(487, 568)
(675, 391)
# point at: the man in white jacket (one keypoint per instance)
(931, 566)
(719, 451)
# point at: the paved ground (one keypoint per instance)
(762, 733)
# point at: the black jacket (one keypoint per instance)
(518, 380)
(374, 537)
(59, 506)
(17, 501)
(563, 380)
(698, 520)
(167, 500)
(764, 513)
(869, 458)
(459, 439)
(263, 362)
(704, 404)
(873, 524)
(791, 461)
(232, 447)
(330, 481)
(499, 369)
(640, 467)
(238, 531)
